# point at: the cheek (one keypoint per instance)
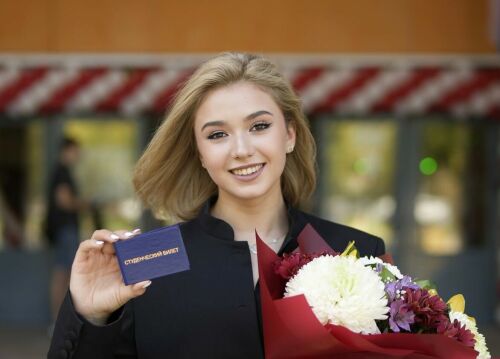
(274, 145)
(212, 156)
(213, 164)
(203, 147)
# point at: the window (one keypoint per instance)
(357, 173)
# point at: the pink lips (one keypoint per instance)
(250, 177)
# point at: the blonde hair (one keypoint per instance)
(169, 178)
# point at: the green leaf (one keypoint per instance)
(350, 250)
(386, 275)
(426, 284)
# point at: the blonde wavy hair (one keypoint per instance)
(169, 178)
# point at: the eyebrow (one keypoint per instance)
(249, 117)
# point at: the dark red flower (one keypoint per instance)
(430, 310)
(288, 265)
(458, 332)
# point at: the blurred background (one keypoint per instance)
(403, 97)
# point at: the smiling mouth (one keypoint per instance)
(247, 170)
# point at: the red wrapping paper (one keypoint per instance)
(291, 330)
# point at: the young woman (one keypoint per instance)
(234, 155)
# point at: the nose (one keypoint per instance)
(242, 146)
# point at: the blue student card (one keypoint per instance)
(152, 254)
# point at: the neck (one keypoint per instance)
(266, 215)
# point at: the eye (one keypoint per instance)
(260, 126)
(216, 135)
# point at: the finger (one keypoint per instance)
(124, 234)
(121, 235)
(134, 290)
(105, 235)
(86, 247)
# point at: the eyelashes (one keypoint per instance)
(215, 135)
(260, 126)
(256, 127)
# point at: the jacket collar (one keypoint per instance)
(223, 230)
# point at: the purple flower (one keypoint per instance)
(393, 289)
(379, 267)
(400, 316)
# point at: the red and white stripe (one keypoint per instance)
(30, 101)
(480, 103)
(456, 89)
(62, 96)
(115, 98)
(88, 96)
(7, 76)
(432, 86)
(340, 96)
(313, 94)
(164, 97)
(373, 93)
(455, 101)
(14, 87)
(142, 99)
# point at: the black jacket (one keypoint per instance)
(210, 311)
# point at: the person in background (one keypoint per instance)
(10, 227)
(62, 224)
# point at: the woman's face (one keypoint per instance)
(242, 138)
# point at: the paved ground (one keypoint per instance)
(33, 343)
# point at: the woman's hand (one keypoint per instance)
(96, 283)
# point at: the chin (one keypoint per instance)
(248, 191)
(245, 195)
(248, 194)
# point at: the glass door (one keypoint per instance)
(427, 187)
(357, 166)
(449, 237)
(109, 150)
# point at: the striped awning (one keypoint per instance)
(458, 87)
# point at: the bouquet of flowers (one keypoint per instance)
(317, 303)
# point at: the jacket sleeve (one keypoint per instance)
(74, 337)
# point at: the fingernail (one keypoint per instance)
(136, 231)
(147, 284)
(99, 242)
(128, 234)
(114, 237)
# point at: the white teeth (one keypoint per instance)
(246, 171)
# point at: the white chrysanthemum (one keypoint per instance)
(394, 270)
(341, 291)
(370, 260)
(480, 345)
(376, 260)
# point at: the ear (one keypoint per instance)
(291, 134)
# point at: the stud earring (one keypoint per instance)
(289, 149)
